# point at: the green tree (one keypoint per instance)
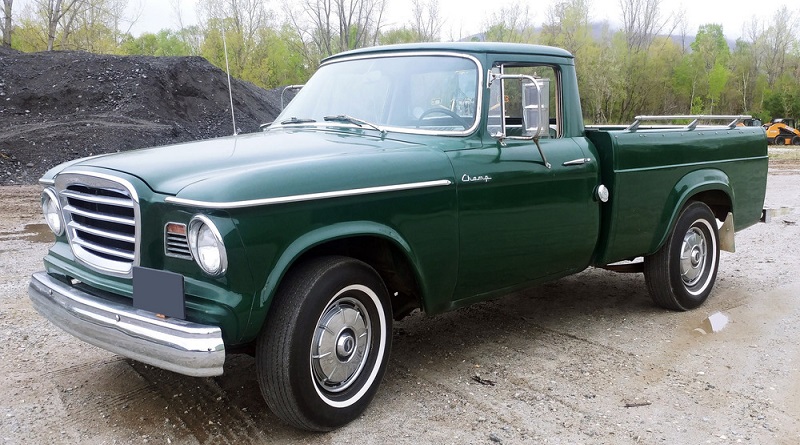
(164, 43)
(684, 84)
(642, 24)
(710, 46)
(327, 27)
(784, 99)
(567, 26)
(510, 24)
(709, 59)
(744, 78)
(29, 36)
(717, 80)
(398, 35)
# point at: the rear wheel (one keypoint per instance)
(681, 274)
(796, 140)
(324, 349)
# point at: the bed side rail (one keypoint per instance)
(695, 120)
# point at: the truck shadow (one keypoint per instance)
(229, 408)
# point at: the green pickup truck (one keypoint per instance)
(406, 177)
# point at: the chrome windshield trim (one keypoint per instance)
(479, 87)
(306, 197)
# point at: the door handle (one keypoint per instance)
(580, 161)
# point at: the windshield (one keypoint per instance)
(407, 93)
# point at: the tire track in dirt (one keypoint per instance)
(80, 367)
(204, 409)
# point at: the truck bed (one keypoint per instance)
(652, 172)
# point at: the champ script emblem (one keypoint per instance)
(482, 178)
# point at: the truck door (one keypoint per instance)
(526, 212)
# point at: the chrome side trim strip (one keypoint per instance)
(306, 197)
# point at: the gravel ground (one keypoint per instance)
(586, 359)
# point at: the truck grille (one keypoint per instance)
(101, 214)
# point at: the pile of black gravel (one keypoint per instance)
(61, 105)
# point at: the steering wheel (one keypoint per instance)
(459, 120)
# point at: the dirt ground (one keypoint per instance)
(586, 359)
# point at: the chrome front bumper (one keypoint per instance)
(176, 345)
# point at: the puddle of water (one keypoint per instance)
(35, 233)
(38, 233)
(715, 322)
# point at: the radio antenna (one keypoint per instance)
(228, 72)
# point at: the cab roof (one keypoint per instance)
(465, 47)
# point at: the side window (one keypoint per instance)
(511, 100)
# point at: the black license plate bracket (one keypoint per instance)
(159, 291)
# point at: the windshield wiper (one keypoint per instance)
(294, 120)
(354, 121)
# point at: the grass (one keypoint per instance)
(784, 153)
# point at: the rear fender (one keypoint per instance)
(690, 186)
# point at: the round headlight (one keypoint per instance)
(207, 246)
(52, 211)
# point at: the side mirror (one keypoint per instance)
(535, 105)
(535, 102)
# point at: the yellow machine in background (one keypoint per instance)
(782, 132)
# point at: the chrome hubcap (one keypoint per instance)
(693, 256)
(340, 346)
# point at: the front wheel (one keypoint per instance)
(324, 349)
(681, 274)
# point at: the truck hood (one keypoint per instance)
(277, 163)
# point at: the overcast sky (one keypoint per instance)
(466, 17)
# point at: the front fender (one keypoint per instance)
(316, 238)
(690, 185)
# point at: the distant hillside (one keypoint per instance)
(599, 29)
